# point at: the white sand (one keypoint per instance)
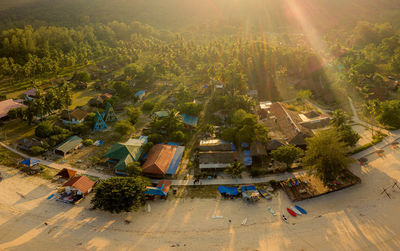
(358, 218)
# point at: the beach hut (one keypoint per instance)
(99, 123)
(109, 114)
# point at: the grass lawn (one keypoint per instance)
(82, 97)
(16, 129)
(8, 158)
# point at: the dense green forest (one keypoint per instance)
(217, 41)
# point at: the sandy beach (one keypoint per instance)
(357, 218)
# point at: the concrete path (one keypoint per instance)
(59, 166)
(219, 181)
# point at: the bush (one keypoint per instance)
(36, 150)
(81, 128)
(178, 136)
(88, 142)
(156, 138)
(147, 106)
(44, 129)
(124, 127)
(133, 113)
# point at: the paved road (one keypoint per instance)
(59, 166)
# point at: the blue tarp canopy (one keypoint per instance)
(155, 191)
(248, 160)
(228, 190)
(30, 162)
(244, 188)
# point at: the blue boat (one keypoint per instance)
(303, 211)
(51, 196)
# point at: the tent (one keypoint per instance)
(30, 162)
(231, 191)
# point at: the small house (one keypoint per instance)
(96, 101)
(122, 154)
(99, 123)
(274, 144)
(7, 105)
(77, 116)
(160, 114)
(66, 173)
(140, 94)
(82, 185)
(30, 94)
(109, 114)
(68, 146)
(216, 160)
(258, 153)
(75, 189)
(189, 121)
(252, 93)
(26, 144)
(163, 160)
(214, 145)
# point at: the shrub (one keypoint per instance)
(44, 129)
(36, 150)
(147, 106)
(156, 138)
(178, 136)
(88, 142)
(124, 127)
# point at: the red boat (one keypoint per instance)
(291, 212)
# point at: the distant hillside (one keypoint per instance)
(175, 15)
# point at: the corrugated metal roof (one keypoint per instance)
(159, 159)
(173, 166)
(189, 120)
(82, 183)
(69, 144)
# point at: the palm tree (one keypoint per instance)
(235, 169)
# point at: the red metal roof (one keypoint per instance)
(82, 183)
(158, 159)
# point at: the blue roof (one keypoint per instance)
(155, 191)
(247, 158)
(173, 166)
(140, 93)
(248, 188)
(30, 162)
(189, 120)
(173, 144)
(228, 190)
